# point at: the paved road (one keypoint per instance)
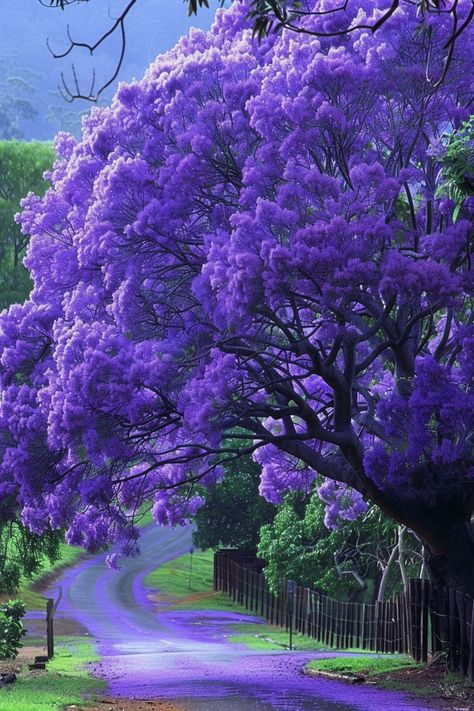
(185, 655)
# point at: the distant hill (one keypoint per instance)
(30, 104)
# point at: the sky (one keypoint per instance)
(29, 74)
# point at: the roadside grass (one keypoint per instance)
(66, 681)
(372, 665)
(267, 637)
(183, 585)
(68, 556)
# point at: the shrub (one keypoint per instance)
(11, 628)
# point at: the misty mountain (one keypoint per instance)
(31, 106)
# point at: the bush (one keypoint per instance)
(11, 628)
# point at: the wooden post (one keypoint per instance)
(470, 669)
(453, 628)
(50, 627)
(463, 653)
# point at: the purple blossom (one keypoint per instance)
(247, 243)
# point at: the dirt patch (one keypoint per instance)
(448, 692)
(26, 655)
(46, 579)
(163, 600)
(129, 705)
(66, 627)
(432, 682)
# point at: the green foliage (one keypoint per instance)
(21, 170)
(457, 166)
(233, 511)
(344, 563)
(11, 628)
(24, 554)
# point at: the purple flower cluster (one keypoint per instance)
(247, 243)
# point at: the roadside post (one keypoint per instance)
(191, 551)
(291, 590)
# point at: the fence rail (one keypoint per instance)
(422, 621)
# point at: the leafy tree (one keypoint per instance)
(23, 554)
(225, 249)
(21, 170)
(345, 562)
(457, 166)
(233, 510)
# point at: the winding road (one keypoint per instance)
(185, 656)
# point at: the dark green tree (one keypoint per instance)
(456, 180)
(23, 554)
(233, 511)
(21, 170)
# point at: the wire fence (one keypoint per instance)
(422, 621)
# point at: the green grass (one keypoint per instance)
(66, 681)
(271, 637)
(365, 665)
(181, 591)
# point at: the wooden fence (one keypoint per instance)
(422, 621)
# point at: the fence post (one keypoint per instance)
(50, 627)
(470, 669)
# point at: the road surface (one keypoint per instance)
(185, 656)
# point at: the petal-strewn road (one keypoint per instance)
(185, 655)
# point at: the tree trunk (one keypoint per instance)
(442, 522)
(450, 561)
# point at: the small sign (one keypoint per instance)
(291, 587)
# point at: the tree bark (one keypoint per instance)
(452, 564)
(443, 525)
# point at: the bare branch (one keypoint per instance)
(71, 94)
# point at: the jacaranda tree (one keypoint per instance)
(248, 243)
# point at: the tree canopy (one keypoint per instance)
(250, 238)
(319, 19)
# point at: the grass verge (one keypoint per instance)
(188, 585)
(372, 665)
(267, 637)
(66, 681)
